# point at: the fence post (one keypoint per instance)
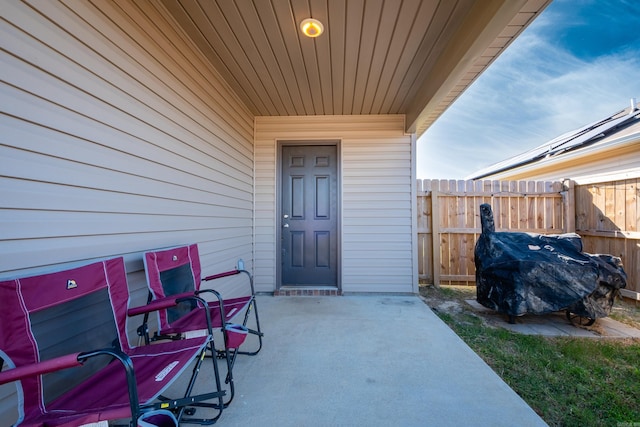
(435, 235)
(569, 205)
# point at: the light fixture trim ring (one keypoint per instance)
(311, 27)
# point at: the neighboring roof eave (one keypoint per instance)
(565, 143)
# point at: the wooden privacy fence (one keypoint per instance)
(449, 220)
(606, 216)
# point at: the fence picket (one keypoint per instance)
(539, 205)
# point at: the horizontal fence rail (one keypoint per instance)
(605, 215)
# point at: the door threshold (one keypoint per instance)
(316, 291)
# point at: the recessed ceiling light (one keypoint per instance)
(311, 27)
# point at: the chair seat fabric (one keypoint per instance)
(196, 319)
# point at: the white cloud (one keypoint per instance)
(534, 92)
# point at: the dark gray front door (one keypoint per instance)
(309, 215)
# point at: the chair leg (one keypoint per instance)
(253, 306)
(219, 406)
(230, 355)
(226, 354)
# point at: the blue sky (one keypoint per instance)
(578, 62)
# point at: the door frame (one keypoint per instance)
(278, 219)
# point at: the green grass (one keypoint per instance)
(567, 381)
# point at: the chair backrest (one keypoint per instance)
(173, 271)
(59, 313)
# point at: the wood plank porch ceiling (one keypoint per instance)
(412, 57)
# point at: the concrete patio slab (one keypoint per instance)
(366, 361)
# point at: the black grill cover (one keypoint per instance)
(519, 273)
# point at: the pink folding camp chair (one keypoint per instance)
(176, 272)
(64, 343)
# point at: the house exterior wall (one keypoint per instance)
(377, 198)
(116, 139)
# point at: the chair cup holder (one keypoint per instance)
(157, 418)
(236, 334)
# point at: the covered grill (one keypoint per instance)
(520, 273)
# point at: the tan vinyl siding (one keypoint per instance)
(117, 138)
(376, 218)
(376, 197)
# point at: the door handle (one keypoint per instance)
(286, 226)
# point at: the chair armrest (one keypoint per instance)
(232, 273)
(77, 359)
(70, 361)
(221, 275)
(158, 304)
(74, 360)
(51, 365)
